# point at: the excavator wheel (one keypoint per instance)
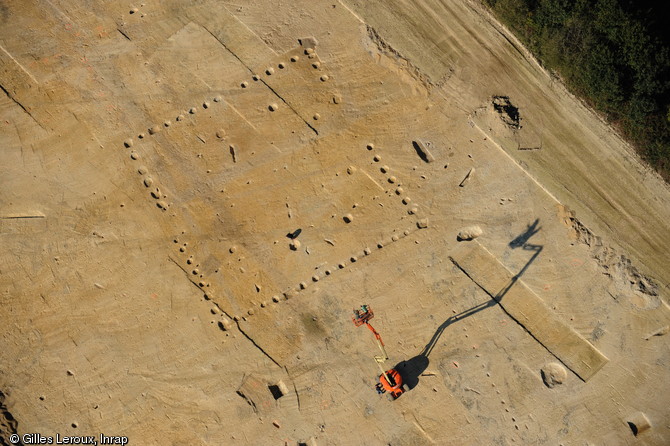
(389, 397)
(405, 388)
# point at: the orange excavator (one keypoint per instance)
(390, 380)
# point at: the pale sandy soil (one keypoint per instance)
(148, 287)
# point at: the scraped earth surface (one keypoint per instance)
(193, 198)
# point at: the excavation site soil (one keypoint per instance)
(194, 196)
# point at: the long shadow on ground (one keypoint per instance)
(411, 369)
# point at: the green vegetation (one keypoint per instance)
(613, 53)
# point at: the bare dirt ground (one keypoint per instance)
(156, 156)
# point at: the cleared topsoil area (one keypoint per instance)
(194, 197)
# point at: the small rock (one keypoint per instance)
(422, 224)
(276, 424)
(309, 43)
(469, 233)
(294, 245)
(638, 423)
(225, 324)
(283, 388)
(553, 373)
(348, 218)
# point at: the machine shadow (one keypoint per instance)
(411, 369)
